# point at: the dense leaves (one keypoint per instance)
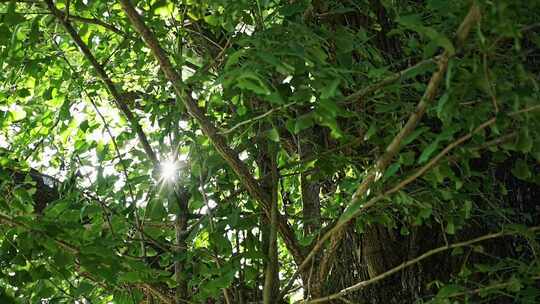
(378, 130)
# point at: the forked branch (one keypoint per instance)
(111, 87)
(184, 94)
(395, 146)
(364, 284)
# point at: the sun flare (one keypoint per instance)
(169, 170)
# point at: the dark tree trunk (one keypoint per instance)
(361, 256)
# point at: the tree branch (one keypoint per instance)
(13, 222)
(111, 87)
(486, 288)
(394, 147)
(451, 146)
(335, 227)
(96, 21)
(256, 118)
(360, 94)
(271, 279)
(229, 155)
(364, 284)
(162, 297)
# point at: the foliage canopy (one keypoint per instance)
(234, 151)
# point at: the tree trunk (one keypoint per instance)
(363, 255)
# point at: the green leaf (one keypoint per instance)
(515, 284)
(122, 298)
(253, 86)
(425, 213)
(305, 241)
(439, 39)
(391, 171)
(131, 277)
(157, 210)
(273, 135)
(371, 131)
(330, 90)
(524, 141)
(521, 170)
(414, 22)
(83, 289)
(404, 230)
(17, 113)
(448, 290)
(428, 151)
(468, 208)
(410, 21)
(234, 58)
(293, 8)
(441, 106)
(407, 158)
(457, 251)
(350, 211)
(13, 18)
(303, 122)
(164, 9)
(450, 227)
(280, 66)
(139, 179)
(414, 135)
(23, 200)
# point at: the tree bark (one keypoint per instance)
(181, 198)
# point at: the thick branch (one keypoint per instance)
(111, 87)
(271, 279)
(336, 227)
(406, 264)
(180, 227)
(207, 127)
(394, 147)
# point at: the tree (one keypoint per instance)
(269, 151)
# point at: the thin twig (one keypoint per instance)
(360, 94)
(394, 147)
(99, 22)
(162, 297)
(335, 227)
(13, 222)
(258, 117)
(116, 149)
(486, 288)
(111, 87)
(364, 284)
(490, 86)
(184, 93)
